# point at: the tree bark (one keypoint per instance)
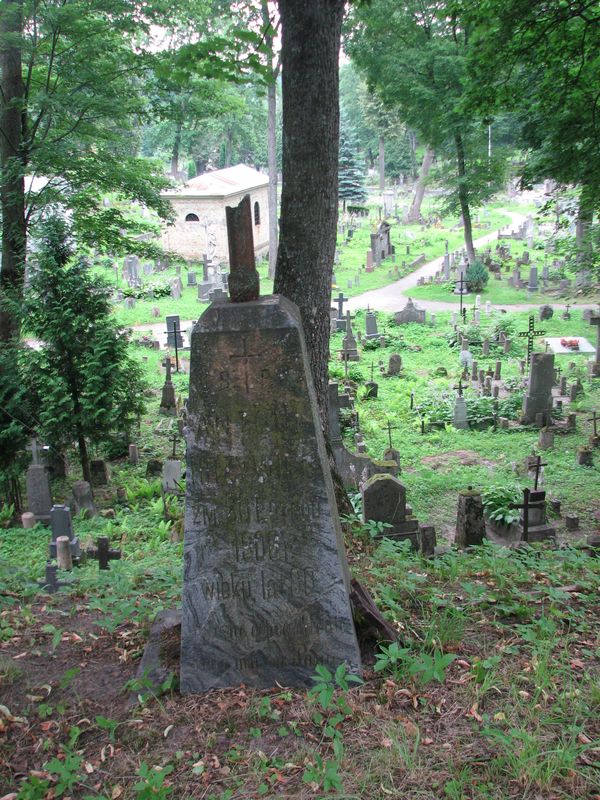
(271, 145)
(12, 165)
(175, 151)
(414, 213)
(381, 164)
(585, 217)
(309, 198)
(463, 197)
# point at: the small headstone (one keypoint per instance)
(460, 418)
(384, 500)
(154, 468)
(61, 525)
(371, 325)
(28, 520)
(82, 499)
(470, 524)
(538, 398)
(99, 472)
(427, 540)
(191, 279)
(171, 475)
(134, 454)
(546, 439)
(571, 522)
(585, 457)
(394, 365)
(410, 313)
(546, 312)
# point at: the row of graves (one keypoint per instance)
(211, 285)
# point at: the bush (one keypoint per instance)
(477, 276)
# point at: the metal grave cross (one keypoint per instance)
(531, 333)
(538, 466)
(389, 428)
(51, 584)
(459, 387)
(412, 400)
(103, 552)
(245, 356)
(372, 370)
(525, 506)
(176, 331)
(595, 418)
(174, 439)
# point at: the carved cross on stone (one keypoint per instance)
(244, 283)
(103, 552)
(244, 357)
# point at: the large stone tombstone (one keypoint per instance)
(384, 500)
(538, 399)
(265, 594)
(39, 493)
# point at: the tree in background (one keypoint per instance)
(413, 56)
(85, 385)
(351, 179)
(541, 61)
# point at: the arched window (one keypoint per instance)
(192, 218)
(256, 213)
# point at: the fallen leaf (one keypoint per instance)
(167, 730)
(427, 741)
(577, 663)
(525, 695)
(116, 792)
(473, 712)
(88, 767)
(584, 739)
(385, 742)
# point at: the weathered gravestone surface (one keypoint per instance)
(266, 594)
(384, 500)
(410, 313)
(61, 525)
(470, 525)
(538, 399)
(39, 493)
(82, 499)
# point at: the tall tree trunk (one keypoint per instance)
(463, 197)
(309, 198)
(585, 217)
(12, 164)
(381, 164)
(414, 213)
(271, 143)
(413, 152)
(175, 150)
(84, 458)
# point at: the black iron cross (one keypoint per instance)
(51, 584)
(372, 370)
(557, 371)
(463, 311)
(412, 400)
(245, 355)
(538, 466)
(103, 552)
(176, 331)
(531, 333)
(459, 387)
(389, 428)
(174, 439)
(595, 418)
(525, 505)
(340, 300)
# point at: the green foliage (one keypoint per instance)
(496, 503)
(350, 178)
(477, 276)
(84, 383)
(152, 785)
(423, 667)
(16, 421)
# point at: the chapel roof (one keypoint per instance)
(221, 183)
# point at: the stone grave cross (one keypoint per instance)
(531, 333)
(51, 584)
(340, 300)
(34, 449)
(167, 365)
(244, 282)
(389, 428)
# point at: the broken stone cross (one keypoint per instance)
(243, 278)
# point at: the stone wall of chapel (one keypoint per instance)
(189, 238)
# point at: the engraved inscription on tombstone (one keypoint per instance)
(265, 596)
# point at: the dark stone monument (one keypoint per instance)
(99, 472)
(470, 524)
(82, 499)
(384, 500)
(39, 493)
(266, 585)
(539, 390)
(61, 525)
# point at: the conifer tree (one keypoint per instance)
(351, 179)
